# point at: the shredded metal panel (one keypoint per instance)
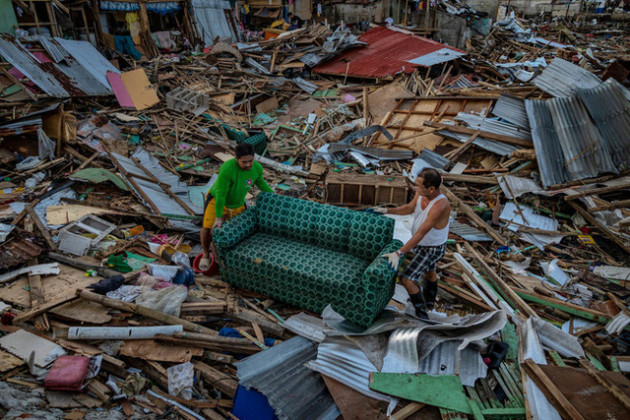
(89, 58)
(212, 20)
(293, 390)
(468, 232)
(62, 80)
(610, 110)
(493, 146)
(54, 50)
(437, 57)
(494, 126)
(546, 143)
(512, 109)
(586, 155)
(375, 152)
(562, 78)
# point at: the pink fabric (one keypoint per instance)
(120, 91)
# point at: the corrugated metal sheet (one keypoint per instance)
(388, 53)
(468, 232)
(610, 110)
(546, 143)
(562, 78)
(340, 359)
(375, 152)
(502, 149)
(53, 49)
(437, 57)
(61, 80)
(512, 109)
(293, 390)
(494, 126)
(585, 152)
(212, 21)
(89, 58)
(26, 126)
(446, 359)
(307, 326)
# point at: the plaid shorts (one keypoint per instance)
(425, 259)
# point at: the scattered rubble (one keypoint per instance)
(110, 142)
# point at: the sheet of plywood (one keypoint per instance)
(585, 394)
(159, 352)
(67, 213)
(53, 287)
(9, 361)
(383, 100)
(267, 105)
(139, 89)
(84, 311)
(117, 85)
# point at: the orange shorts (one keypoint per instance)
(209, 216)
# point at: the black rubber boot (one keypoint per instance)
(429, 293)
(418, 304)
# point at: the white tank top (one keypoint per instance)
(434, 237)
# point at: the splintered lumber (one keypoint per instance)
(554, 395)
(212, 342)
(465, 208)
(217, 379)
(205, 307)
(520, 304)
(611, 235)
(595, 191)
(144, 311)
(247, 316)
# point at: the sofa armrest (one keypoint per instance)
(235, 230)
(378, 274)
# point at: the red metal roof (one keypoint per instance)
(386, 54)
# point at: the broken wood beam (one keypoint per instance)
(595, 191)
(144, 311)
(217, 379)
(468, 211)
(551, 391)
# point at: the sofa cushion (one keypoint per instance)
(293, 271)
(288, 217)
(369, 233)
(333, 227)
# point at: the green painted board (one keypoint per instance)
(444, 391)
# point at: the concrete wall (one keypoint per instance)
(453, 30)
(353, 13)
(487, 6)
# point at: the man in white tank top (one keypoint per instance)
(431, 212)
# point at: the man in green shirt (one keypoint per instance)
(226, 198)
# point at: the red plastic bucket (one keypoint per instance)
(214, 267)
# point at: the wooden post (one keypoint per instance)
(144, 311)
(426, 17)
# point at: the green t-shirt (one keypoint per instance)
(233, 184)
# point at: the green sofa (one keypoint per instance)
(310, 255)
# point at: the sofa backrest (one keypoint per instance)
(360, 234)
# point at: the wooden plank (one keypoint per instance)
(594, 191)
(500, 284)
(217, 379)
(153, 350)
(555, 397)
(40, 226)
(465, 208)
(9, 361)
(611, 387)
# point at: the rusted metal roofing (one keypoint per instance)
(387, 53)
(61, 80)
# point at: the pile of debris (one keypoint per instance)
(104, 175)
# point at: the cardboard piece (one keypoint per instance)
(139, 89)
(152, 350)
(117, 85)
(268, 105)
(9, 361)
